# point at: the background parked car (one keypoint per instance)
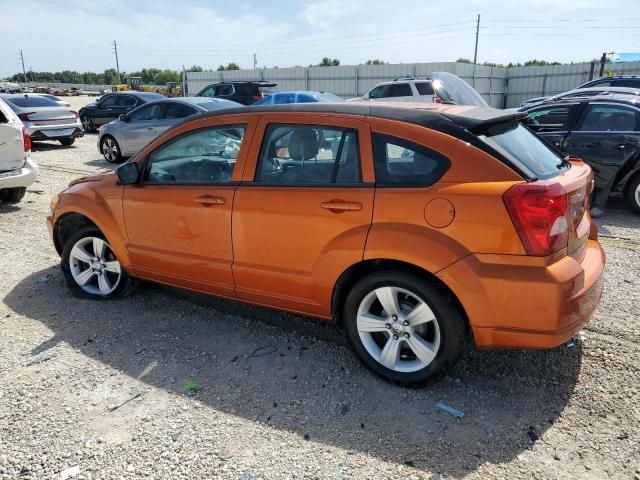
(299, 97)
(604, 131)
(623, 81)
(17, 170)
(244, 92)
(44, 118)
(439, 87)
(132, 131)
(111, 106)
(588, 92)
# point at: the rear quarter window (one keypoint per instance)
(400, 163)
(425, 88)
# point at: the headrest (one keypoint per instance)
(303, 144)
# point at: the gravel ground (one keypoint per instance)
(104, 386)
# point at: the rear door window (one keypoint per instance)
(399, 163)
(125, 101)
(424, 88)
(609, 118)
(178, 110)
(400, 90)
(309, 155)
(548, 119)
(224, 90)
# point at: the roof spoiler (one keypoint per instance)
(486, 121)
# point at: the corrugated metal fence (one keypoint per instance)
(500, 87)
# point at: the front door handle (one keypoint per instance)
(341, 205)
(210, 200)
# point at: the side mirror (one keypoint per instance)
(128, 173)
(124, 117)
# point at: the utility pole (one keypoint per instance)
(184, 81)
(24, 72)
(115, 49)
(603, 60)
(255, 61)
(475, 52)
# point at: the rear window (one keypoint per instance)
(424, 88)
(32, 102)
(523, 146)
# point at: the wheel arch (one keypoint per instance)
(66, 225)
(357, 271)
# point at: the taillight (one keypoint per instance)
(25, 116)
(539, 212)
(257, 97)
(26, 139)
(436, 99)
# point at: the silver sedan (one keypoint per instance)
(131, 132)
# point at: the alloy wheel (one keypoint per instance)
(110, 149)
(94, 266)
(398, 329)
(636, 195)
(87, 124)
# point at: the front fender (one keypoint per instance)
(102, 205)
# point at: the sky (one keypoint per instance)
(57, 35)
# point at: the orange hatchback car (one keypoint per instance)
(417, 228)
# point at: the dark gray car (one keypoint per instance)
(123, 137)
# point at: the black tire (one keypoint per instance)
(12, 195)
(450, 320)
(87, 124)
(632, 191)
(67, 142)
(125, 285)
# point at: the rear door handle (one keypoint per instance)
(341, 205)
(210, 200)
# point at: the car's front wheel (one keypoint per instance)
(403, 327)
(110, 149)
(91, 268)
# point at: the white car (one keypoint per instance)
(45, 119)
(439, 87)
(17, 170)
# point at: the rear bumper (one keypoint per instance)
(519, 302)
(23, 177)
(54, 132)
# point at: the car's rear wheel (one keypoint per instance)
(633, 192)
(404, 328)
(87, 124)
(110, 149)
(12, 195)
(67, 142)
(91, 268)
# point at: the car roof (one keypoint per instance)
(452, 119)
(137, 94)
(623, 98)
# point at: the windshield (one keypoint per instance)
(526, 148)
(32, 102)
(452, 88)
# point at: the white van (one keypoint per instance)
(17, 170)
